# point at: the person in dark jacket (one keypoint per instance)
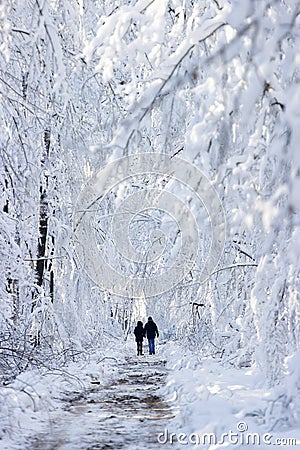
(151, 332)
(139, 336)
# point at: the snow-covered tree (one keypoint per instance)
(213, 82)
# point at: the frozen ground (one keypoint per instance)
(110, 402)
(125, 412)
(115, 400)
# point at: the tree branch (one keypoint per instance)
(233, 266)
(46, 258)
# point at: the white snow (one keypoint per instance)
(85, 83)
(205, 396)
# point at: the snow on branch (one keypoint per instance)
(159, 79)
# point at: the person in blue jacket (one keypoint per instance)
(151, 332)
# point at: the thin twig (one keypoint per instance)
(44, 258)
(106, 357)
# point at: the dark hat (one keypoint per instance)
(150, 319)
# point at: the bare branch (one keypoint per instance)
(46, 258)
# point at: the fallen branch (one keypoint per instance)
(106, 357)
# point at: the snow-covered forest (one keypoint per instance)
(113, 113)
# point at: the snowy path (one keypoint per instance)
(115, 400)
(124, 414)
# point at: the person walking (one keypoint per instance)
(139, 333)
(151, 331)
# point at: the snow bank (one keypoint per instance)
(26, 403)
(226, 407)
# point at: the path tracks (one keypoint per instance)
(126, 413)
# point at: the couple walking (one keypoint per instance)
(150, 330)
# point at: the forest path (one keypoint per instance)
(126, 413)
